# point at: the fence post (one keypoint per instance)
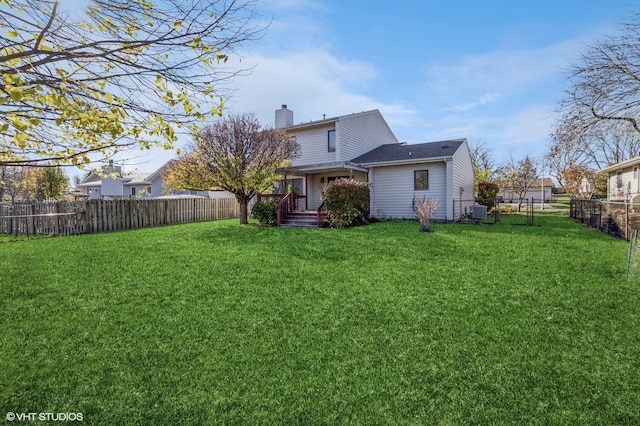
(626, 221)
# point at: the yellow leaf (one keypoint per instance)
(177, 25)
(12, 34)
(16, 94)
(108, 97)
(21, 140)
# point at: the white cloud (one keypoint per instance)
(482, 100)
(503, 97)
(498, 74)
(311, 83)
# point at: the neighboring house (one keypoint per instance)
(540, 188)
(623, 182)
(362, 146)
(111, 183)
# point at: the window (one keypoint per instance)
(332, 140)
(619, 180)
(421, 180)
(297, 184)
(133, 190)
(635, 173)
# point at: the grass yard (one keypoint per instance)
(220, 323)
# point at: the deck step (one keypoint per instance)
(301, 220)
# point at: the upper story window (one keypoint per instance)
(619, 180)
(331, 140)
(421, 180)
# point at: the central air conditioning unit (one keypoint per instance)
(478, 212)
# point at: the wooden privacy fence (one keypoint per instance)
(83, 217)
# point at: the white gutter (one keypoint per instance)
(409, 161)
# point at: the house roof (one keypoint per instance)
(95, 179)
(136, 179)
(152, 176)
(623, 164)
(132, 179)
(536, 183)
(333, 120)
(400, 152)
(322, 168)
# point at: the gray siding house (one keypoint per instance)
(111, 183)
(362, 146)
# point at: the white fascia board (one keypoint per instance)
(409, 161)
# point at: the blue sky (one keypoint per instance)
(489, 71)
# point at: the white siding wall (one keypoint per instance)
(360, 133)
(314, 146)
(392, 190)
(630, 184)
(536, 193)
(463, 177)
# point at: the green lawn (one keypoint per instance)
(561, 202)
(220, 323)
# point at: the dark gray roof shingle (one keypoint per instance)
(400, 152)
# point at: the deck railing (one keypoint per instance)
(322, 213)
(283, 208)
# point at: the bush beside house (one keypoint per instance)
(347, 202)
(265, 212)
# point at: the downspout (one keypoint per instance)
(306, 192)
(449, 179)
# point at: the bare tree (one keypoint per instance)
(121, 73)
(236, 155)
(517, 176)
(483, 163)
(599, 123)
(597, 145)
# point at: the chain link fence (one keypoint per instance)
(633, 259)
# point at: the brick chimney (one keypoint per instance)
(284, 117)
